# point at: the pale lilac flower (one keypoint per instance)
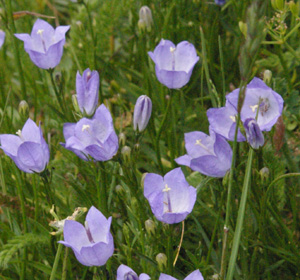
(220, 2)
(174, 64)
(87, 87)
(195, 275)
(124, 272)
(170, 197)
(209, 155)
(94, 137)
(45, 44)
(254, 135)
(27, 149)
(142, 112)
(93, 244)
(259, 97)
(2, 38)
(223, 121)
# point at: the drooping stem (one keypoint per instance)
(12, 30)
(240, 218)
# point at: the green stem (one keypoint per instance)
(240, 218)
(64, 272)
(101, 188)
(206, 70)
(93, 37)
(36, 197)
(56, 261)
(12, 30)
(157, 148)
(21, 197)
(222, 72)
(57, 94)
(228, 203)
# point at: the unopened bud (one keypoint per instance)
(267, 77)
(161, 259)
(142, 113)
(294, 8)
(150, 227)
(122, 139)
(243, 28)
(119, 189)
(264, 173)
(146, 20)
(23, 109)
(75, 103)
(126, 153)
(253, 133)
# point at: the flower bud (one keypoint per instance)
(75, 103)
(243, 28)
(126, 153)
(145, 21)
(161, 259)
(264, 173)
(267, 77)
(122, 139)
(23, 109)
(87, 87)
(294, 8)
(150, 227)
(253, 133)
(142, 113)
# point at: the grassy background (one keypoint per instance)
(269, 247)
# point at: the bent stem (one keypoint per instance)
(240, 218)
(56, 261)
(180, 243)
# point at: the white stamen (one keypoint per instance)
(166, 189)
(85, 127)
(19, 133)
(172, 49)
(233, 118)
(253, 108)
(40, 32)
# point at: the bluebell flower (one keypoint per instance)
(170, 197)
(174, 64)
(93, 244)
(208, 154)
(45, 44)
(95, 138)
(124, 272)
(27, 149)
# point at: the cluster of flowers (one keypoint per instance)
(94, 138)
